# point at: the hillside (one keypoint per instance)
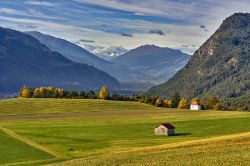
(220, 67)
(25, 61)
(161, 63)
(104, 132)
(80, 55)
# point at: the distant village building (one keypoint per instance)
(195, 105)
(165, 129)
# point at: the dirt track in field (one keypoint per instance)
(31, 143)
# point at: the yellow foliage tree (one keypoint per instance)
(25, 93)
(104, 93)
(60, 92)
(42, 89)
(36, 92)
(167, 103)
(158, 102)
(51, 89)
(182, 104)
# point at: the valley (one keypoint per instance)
(124, 83)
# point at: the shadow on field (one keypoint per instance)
(181, 134)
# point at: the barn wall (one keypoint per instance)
(161, 130)
(195, 107)
(171, 131)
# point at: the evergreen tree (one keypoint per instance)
(91, 95)
(115, 96)
(175, 100)
(82, 95)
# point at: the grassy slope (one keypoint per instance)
(94, 127)
(38, 106)
(233, 151)
(13, 151)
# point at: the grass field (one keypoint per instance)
(109, 129)
(14, 151)
(233, 151)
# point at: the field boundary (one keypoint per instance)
(32, 143)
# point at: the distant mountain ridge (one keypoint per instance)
(220, 67)
(80, 55)
(25, 61)
(162, 63)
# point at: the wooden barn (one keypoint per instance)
(165, 129)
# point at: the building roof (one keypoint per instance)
(167, 125)
(195, 102)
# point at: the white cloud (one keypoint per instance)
(11, 11)
(27, 13)
(40, 3)
(184, 30)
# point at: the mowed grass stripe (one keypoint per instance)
(218, 144)
(31, 143)
(35, 106)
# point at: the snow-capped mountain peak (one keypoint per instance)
(107, 53)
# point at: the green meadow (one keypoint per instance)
(101, 132)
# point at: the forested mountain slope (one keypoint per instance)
(25, 61)
(220, 67)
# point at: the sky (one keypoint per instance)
(179, 24)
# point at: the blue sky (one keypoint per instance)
(181, 24)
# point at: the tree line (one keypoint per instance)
(174, 102)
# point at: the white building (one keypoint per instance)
(195, 106)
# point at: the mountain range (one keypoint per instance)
(147, 64)
(80, 55)
(220, 67)
(25, 61)
(158, 62)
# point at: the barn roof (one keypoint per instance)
(195, 102)
(167, 125)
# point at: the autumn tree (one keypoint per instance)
(167, 103)
(183, 104)
(36, 93)
(158, 102)
(51, 92)
(43, 91)
(104, 93)
(25, 92)
(60, 93)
